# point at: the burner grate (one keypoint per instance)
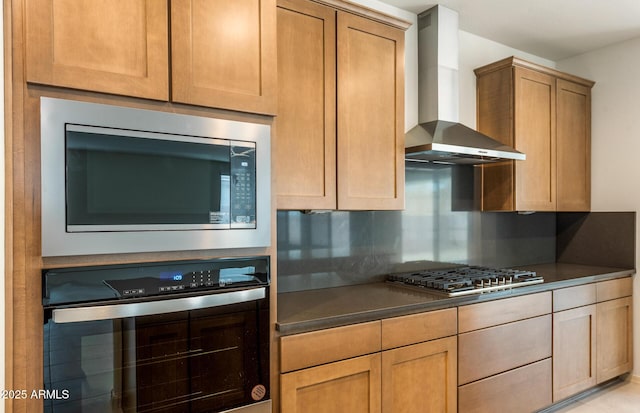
(458, 281)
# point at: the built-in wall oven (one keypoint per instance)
(182, 336)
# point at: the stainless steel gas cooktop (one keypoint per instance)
(453, 282)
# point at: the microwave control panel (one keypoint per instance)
(243, 187)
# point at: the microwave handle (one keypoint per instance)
(108, 312)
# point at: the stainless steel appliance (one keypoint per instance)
(183, 336)
(439, 137)
(119, 180)
(459, 281)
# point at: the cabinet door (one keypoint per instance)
(370, 114)
(614, 338)
(574, 146)
(574, 351)
(351, 385)
(111, 46)
(305, 163)
(409, 373)
(535, 131)
(223, 54)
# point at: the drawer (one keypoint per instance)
(523, 390)
(612, 289)
(572, 297)
(324, 346)
(492, 313)
(483, 353)
(416, 328)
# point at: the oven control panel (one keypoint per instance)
(142, 280)
(176, 281)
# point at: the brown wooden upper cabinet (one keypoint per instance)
(547, 115)
(222, 52)
(340, 124)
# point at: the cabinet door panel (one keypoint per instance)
(84, 45)
(535, 119)
(614, 337)
(574, 146)
(523, 390)
(306, 134)
(345, 386)
(410, 373)
(574, 351)
(223, 54)
(482, 353)
(370, 114)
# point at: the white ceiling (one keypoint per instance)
(552, 29)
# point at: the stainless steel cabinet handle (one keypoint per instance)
(107, 312)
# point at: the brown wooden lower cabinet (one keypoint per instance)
(523, 390)
(351, 386)
(420, 378)
(518, 362)
(574, 351)
(504, 355)
(405, 364)
(614, 343)
(592, 341)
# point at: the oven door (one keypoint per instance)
(196, 354)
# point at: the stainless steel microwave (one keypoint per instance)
(120, 180)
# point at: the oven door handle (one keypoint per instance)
(108, 312)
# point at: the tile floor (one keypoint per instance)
(622, 397)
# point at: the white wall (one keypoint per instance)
(615, 137)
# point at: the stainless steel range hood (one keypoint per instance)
(439, 137)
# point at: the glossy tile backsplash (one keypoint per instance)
(438, 225)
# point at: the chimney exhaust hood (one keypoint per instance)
(439, 137)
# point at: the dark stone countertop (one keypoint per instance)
(310, 310)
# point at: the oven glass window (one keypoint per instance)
(208, 360)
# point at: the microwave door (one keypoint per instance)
(146, 182)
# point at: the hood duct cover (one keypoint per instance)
(439, 137)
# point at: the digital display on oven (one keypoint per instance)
(171, 276)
